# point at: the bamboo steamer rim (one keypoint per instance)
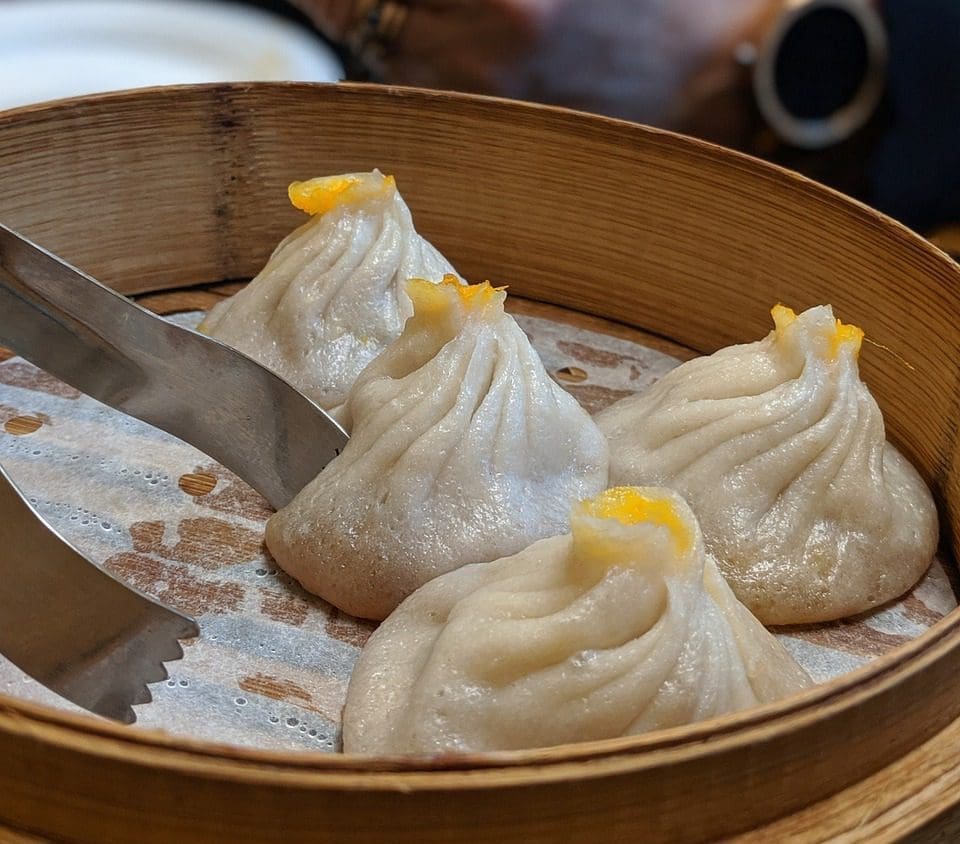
(632, 752)
(318, 771)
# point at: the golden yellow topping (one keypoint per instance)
(782, 317)
(430, 298)
(323, 194)
(844, 334)
(632, 506)
(839, 336)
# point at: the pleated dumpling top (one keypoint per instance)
(332, 296)
(780, 449)
(463, 450)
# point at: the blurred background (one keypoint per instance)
(61, 48)
(862, 95)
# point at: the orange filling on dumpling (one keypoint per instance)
(323, 194)
(633, 506)
(840, 335)
(430, 298)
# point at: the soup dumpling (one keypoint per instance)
(463, 450)
(780, 449)
(620, 627)
(332, 295)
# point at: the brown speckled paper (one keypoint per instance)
(271, 666)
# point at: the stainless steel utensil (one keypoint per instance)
(72, 626)
(196, 388)
(66, 623)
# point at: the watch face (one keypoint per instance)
(820, 73)
(822, 63)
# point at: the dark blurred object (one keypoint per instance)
(863, 95)
(820, 71)
(874, 117)
(914, 172)
(906, 161)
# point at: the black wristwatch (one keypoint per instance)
(866, 96)
(819, 70)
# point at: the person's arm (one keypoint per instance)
(635, 59)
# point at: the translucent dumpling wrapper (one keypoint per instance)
(463, 450)
(622, 626)
(332, 296)
(780, 449)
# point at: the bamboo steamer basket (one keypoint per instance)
(150, 188)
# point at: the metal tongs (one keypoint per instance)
(71, 626)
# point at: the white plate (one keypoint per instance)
(61, 48)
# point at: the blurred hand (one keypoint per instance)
(637, 59)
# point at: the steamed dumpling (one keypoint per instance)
(621, 627)
(780, 449)
(332, 295)
(463, 450)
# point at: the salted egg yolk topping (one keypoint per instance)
(431, 299)
(643, 528)
(323, 194)
(633, 506)
(839, 335)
